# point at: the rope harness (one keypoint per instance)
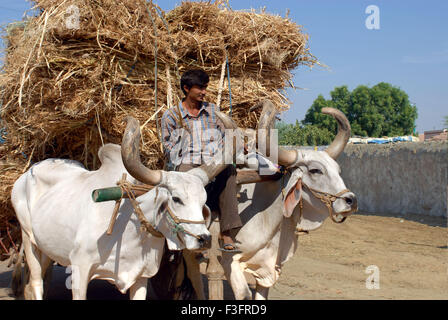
(325, 197)
(128, 189)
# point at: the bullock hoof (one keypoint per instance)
(228, 247)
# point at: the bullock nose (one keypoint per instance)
(351, 200)
(205, 240)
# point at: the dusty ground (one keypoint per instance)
(410, 252)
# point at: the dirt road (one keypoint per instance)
(407, 255)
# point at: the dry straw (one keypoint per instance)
(65, 88)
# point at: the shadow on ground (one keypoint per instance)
(433, 221)
(97, 290)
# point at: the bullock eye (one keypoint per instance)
(315, 171)
(177, 200)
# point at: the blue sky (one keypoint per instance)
(410, 50)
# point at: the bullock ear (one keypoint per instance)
(292, 199)
(172, 241)
(161, 199)
(207, 214)
(162, 207)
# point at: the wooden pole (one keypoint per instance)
(215, 273)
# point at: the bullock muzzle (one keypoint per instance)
(347, 200)
(205, 241)
(328, 199)
(350, 199)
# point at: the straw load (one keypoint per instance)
(76, 70)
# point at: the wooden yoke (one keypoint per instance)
(252, 176)
(116, 193)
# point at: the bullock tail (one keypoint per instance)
(20, 273)
(21, 276)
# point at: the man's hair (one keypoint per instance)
(196, 77)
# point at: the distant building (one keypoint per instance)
(436, 135)
(421, 137)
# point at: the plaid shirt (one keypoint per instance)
(189, 139)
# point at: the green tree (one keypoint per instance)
(445, 123)
(297, 134)
(383, 110)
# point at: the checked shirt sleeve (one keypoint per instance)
(168, 126)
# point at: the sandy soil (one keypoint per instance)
(410, 254)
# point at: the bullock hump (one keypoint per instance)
(109, 153)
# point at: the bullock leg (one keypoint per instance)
(18, 282)
(236, 277)
(47, 272)
(35, 288)
(80, 280)
(138, 289)
(194, 273)
(261, 292)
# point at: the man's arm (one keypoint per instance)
(219, 125)
(168, 126)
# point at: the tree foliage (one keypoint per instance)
(310, 135)
(382, 110)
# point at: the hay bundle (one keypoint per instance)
(66, 88)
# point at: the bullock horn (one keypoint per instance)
(339, 143)
(228, 124)
(286, 157)
(267, 120)
(130, 153)
(267, 116)
(226, 120)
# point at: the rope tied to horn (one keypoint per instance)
(128, 190)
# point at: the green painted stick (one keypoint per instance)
(114, 193)
(107, 194)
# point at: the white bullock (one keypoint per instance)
(60, 222)
(275, 212)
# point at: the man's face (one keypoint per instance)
(196, 93)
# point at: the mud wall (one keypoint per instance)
(399, 178)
